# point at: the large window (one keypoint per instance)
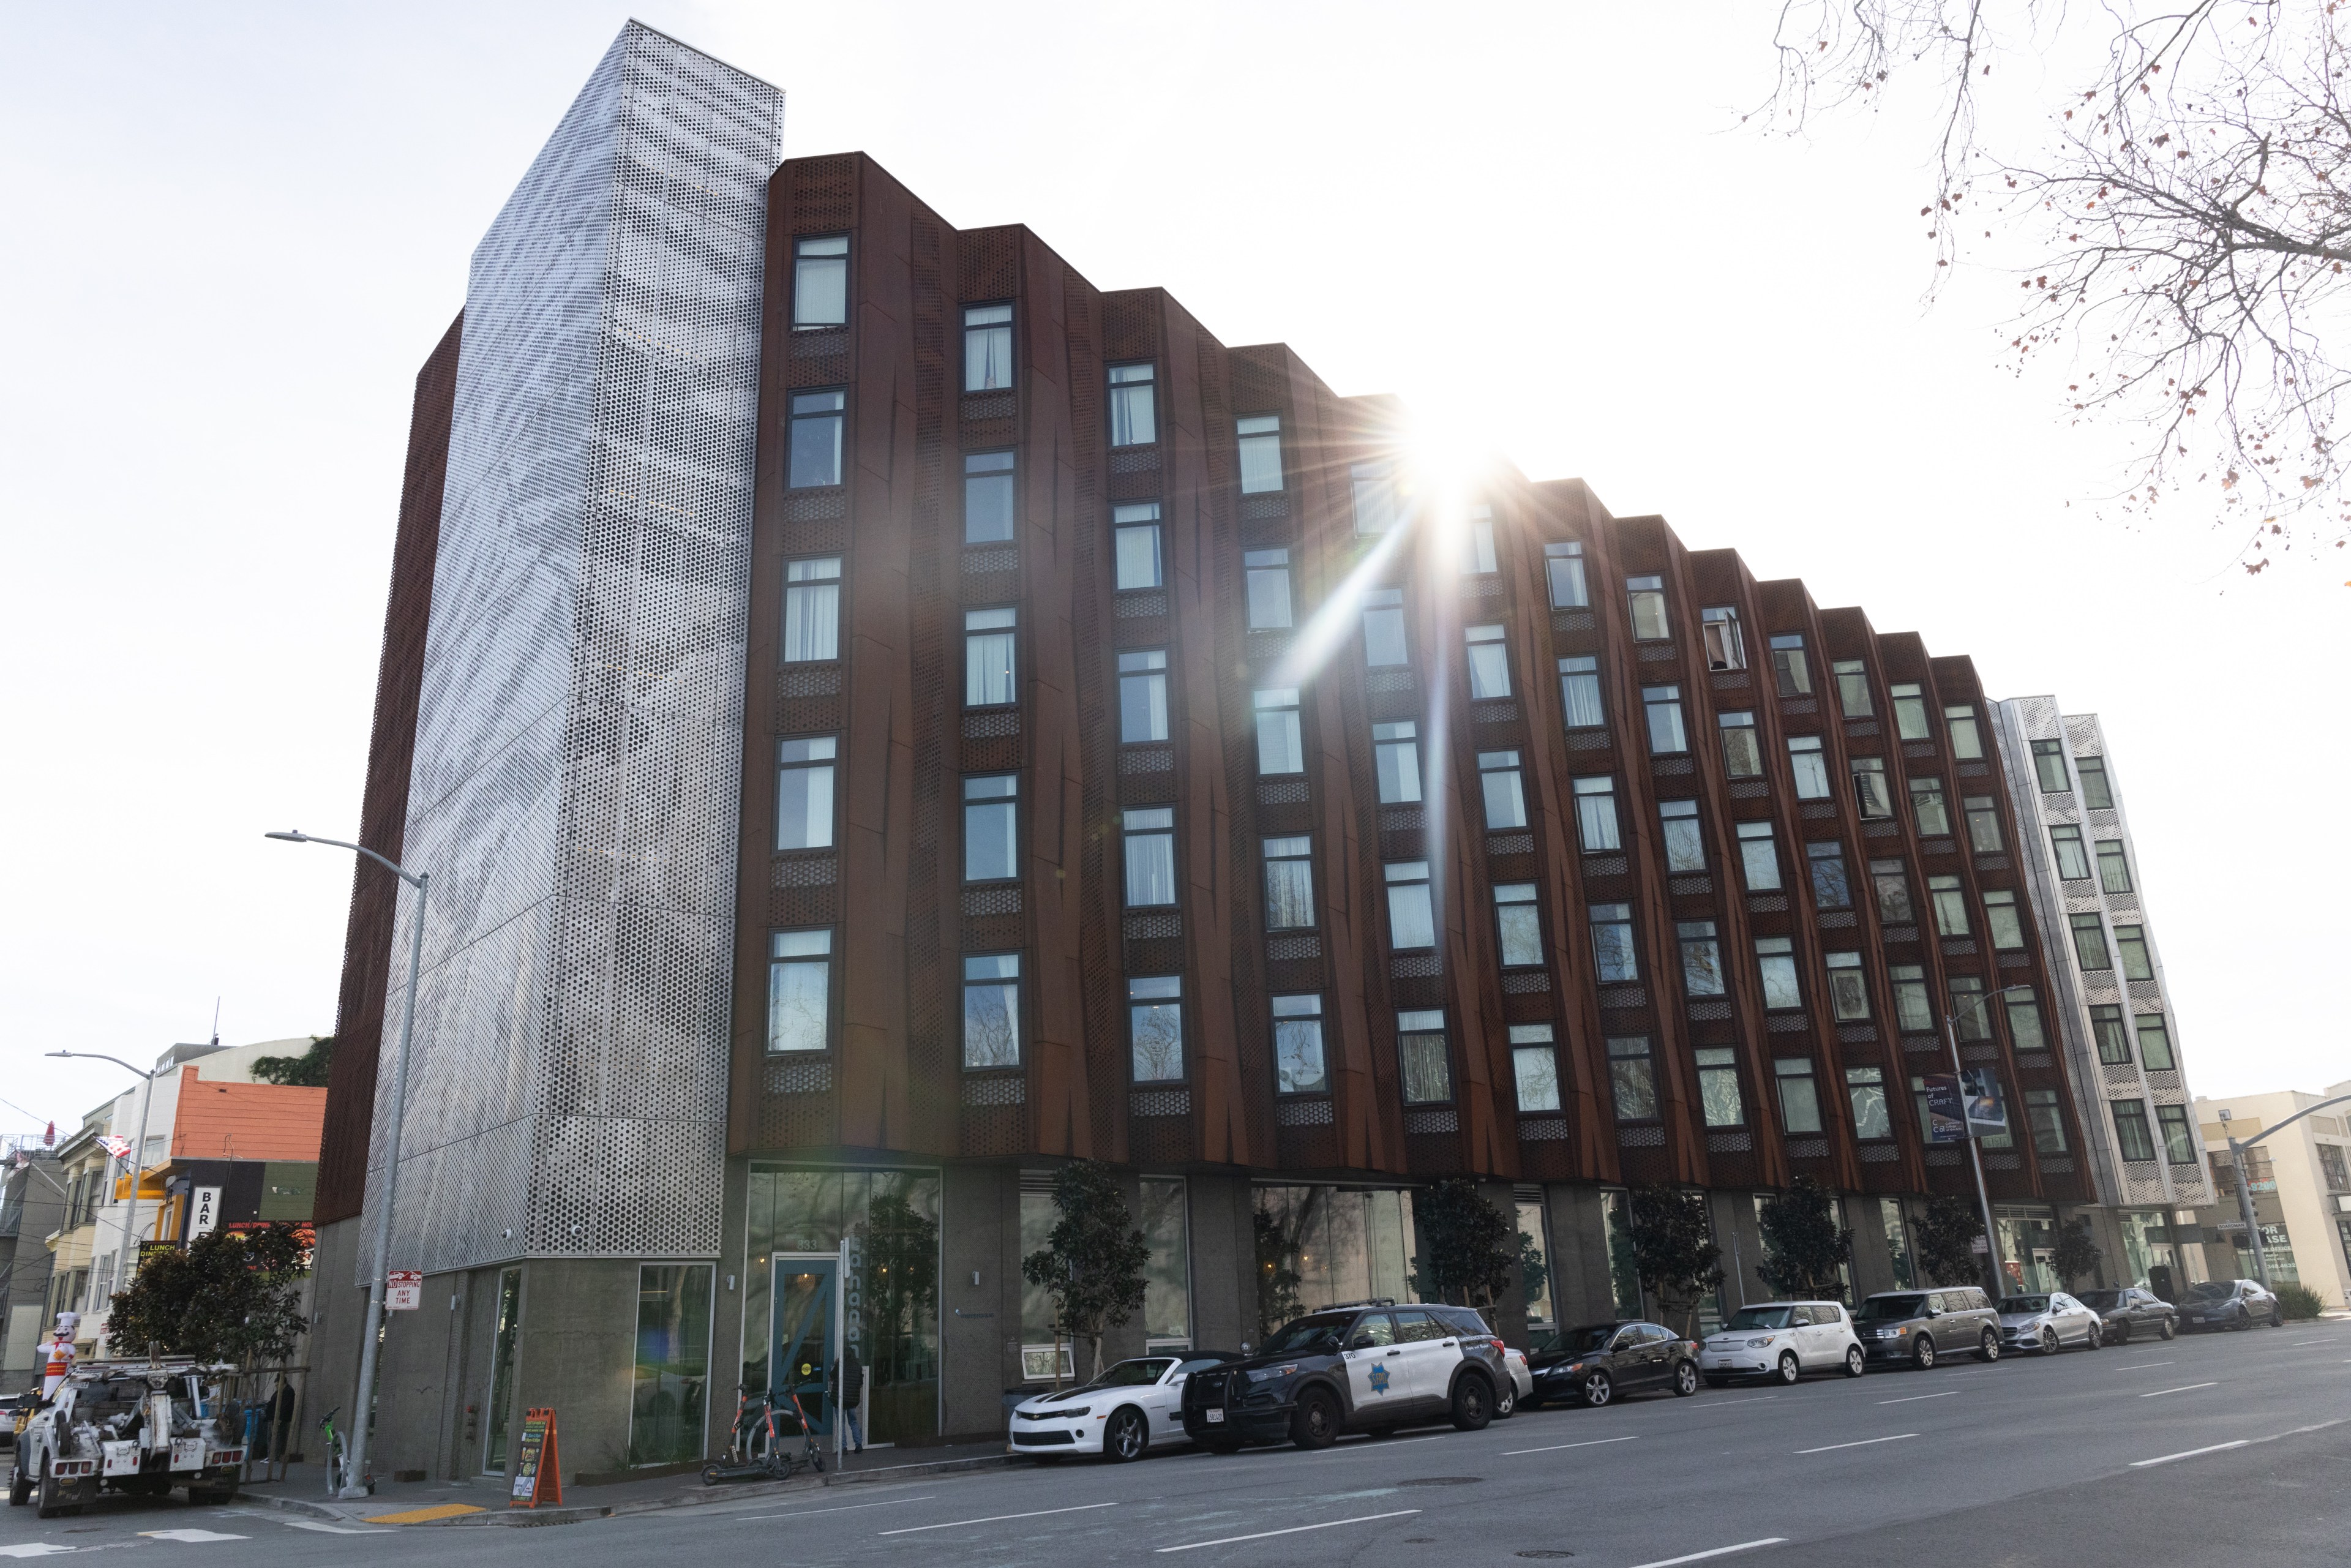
(1913, 1013)
(1967, 739)
(1289, 883)
(1477, 543)
(1260, 451)
(1927, 805)
(988, 657)
(1534, 1062)
(1267, 575)
(986, 348)
(2047, 1122)
(1909, 713)
(1759, 857)
(1811, 767)
(2110, 1034)
(1563, 565)
(2024, 1019)
(992, 827)
(1789, 666)
(1718, 1087)
(1950, 902)
(1412, 917)
(812, 610)
(2114, 866)
(2132, 1138)
(1281, 745)
(1663, 707)
(1150, 835)
(1848, 991)
(1298, 1062)
(1983, 825)
(1967, 1011)
(1800, 1096)
(1865, 1089)
(2155, 1043)
(2049, 766)
(1426, 1066)
(1384, 638)
(1374, 498)
(1517, 925)
(1853, 688)
(987, 498)
(1489, 662)
(1595, 815)
(1725, 649)
(1133, 406)
(1646, 598)
(2096, 793)
(1701, 958)
(804, 792)
(1506, 797)
(1685, 840)
(2001, 921)
(820, 281)
(1870, 796)
(2130, 945)
(1775, 959)
(991, 1010)
(1892, 880)
(815, 459)
(670, 1390)
(1742, 755)
(1143, 696)
(1135, 531)
(1832, 888)
(2073, 859)
(2090, 942)
(2179, 1138)
(1396, 755)
(1613, 955)
(799, 991)
(1632, 1078)
(1579, 693)
(1155, 1028)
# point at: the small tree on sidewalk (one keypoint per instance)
(2075, 1254)
(1468, 1248)
(1947, 1238)
(231, 1296)
(1802, 1245)
(1673, 1249)
(1092, 1261)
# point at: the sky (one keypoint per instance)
(236, 231)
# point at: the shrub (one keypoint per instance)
(2299, 1302)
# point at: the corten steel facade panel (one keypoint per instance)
(891, 1082)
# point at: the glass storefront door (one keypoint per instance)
(807, 1338)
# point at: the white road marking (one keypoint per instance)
(2139, 1365)
(1293, 1530)
(1717, 1552)
(1914, 1398)
(1555, 1448)
(1863, 1443)
(2330, 1339)
(2183, 1389)
(2188, 1454)
(844, 1508)
(191, 1535)
(325, 1528)
(997, 1519)
(34, 1549)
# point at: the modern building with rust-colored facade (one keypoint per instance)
(885, 717)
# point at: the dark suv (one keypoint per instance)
(1366, 1366)
(1917, 1328)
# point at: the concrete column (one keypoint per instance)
(1578, 1262)
(578, 1353)
(979, 1324)
(1741, 1240)
(1873, 1263)
(1224, 1263)
(1509, 1318)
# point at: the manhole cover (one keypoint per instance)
(1545, 1552)
(1442, 1481)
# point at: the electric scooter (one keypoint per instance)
(758, 1449)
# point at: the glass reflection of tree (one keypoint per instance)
(1158, 1044)
(902, 1282)
(1278, 1275)
(990, 1037)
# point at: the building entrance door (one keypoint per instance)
(808, 1333)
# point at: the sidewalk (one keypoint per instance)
(482, 1500)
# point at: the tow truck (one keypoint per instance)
(135, 1428)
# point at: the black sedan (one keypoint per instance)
(2132, 1313)
(2229, 1304)
(1596, 1363)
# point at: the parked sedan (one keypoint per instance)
(1783, 1340)
(1133, 1407)
(1598, 1362)
(2131, 1311)
(1523, 1383)
(2048, 1322)
(2229, 1304)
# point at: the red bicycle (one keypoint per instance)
(761, 1446)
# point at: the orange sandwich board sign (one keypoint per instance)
(539, 1475)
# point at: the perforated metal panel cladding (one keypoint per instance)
(575, 788)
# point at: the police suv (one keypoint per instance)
(1362, 1367)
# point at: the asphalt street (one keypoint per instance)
(2232, 1447)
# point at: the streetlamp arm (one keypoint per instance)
(413, 879)
(99, 1056)
(1983, 1000)
(2266, 1132)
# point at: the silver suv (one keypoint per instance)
(1918, 1328)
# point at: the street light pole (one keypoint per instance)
(2237, 1149)
(362, 1427)
(1975, 1149)
(138, 1152)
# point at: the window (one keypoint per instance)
(1267, 571)
(2001, 920)
(1384, 641)
(1133, 408)
(1647, 597)
(1788, 666)
(669, 1384)
(1760, 859)
(804, 793)
(820, 281)
(1968, 1020)
(2114, 866)
(1134, 532)
(1281, 747)
(1396, 755)
(2096, 793)
(1563, 565)
(1926, 803)
(2131, 1133)
(1505, 800)
(987, 498)
(1477, 543)
(2130, 942)
(986, 348)
(1892, 885)
(988, 657)
(1155, 1028)
(1535, 1065)
(1831, 887)
(991, 1010)
(1579, 693)
(1701, 958)
(1718, 1087)
(1912, 1013)
(1812, 769)
(812, 610)
(1865, 1088)
(1260, 443)
(2049, 764)
(1518, 925)
(1800, 1097)
(1143, 696)
(815, 439)
(2024, 1019)
(1983, 823)
(1870, 795)
(1853, 688)
(1775, 956)
(1298, 1046)
(1420, 1051)
(1725, 650)
(1848, 992)
(2048, 1123)
(1663, 707)
(2113, 1040)
(1289, 883)
(1967, 740)
(1685, 843)
(1412, 918)
(1489, 662)
(2073, 860)
(2155, 1043)
(1632, 1079)
(1374, 497)
(1910, 713)
(1951, 905)
(2179, 1138)
(1612, 942)
(799, 987)
(2090, 942)
(2335, 1169)
(991, 833)
(1595, 815)
(1150, 857)
(1742, 757)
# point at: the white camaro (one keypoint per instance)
(1133, 1407)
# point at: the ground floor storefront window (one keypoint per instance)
(668, 1403)
(1534, 1263)
(1897, 1243)
(2028, 1241)
(1166, 1223)
(1316, 1245)
(2277, 1249)
(2147, 1247)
